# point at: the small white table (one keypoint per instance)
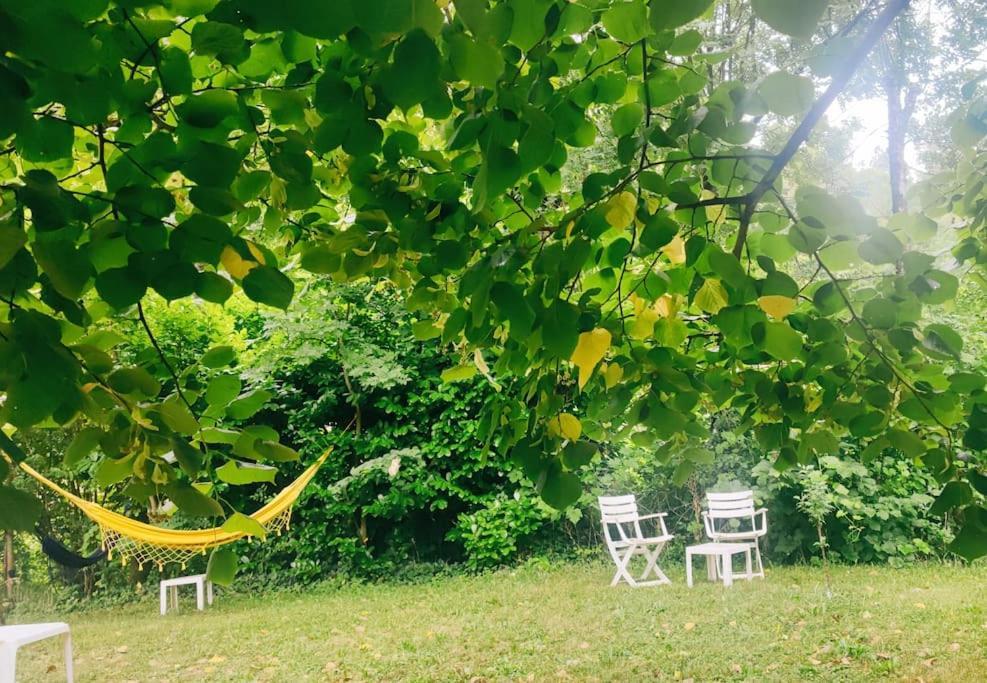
(13, 637)
(202, 587)
(718, 555)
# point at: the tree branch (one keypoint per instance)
(840, 81)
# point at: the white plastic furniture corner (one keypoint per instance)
(13, 637)
(739, 505)
(625, 539)
(169, 588)
(719, 560)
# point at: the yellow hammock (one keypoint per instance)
(130, 539)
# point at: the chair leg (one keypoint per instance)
(69, 673)
(8, 663)
(164, 599)
(623, 562)
(757, 552)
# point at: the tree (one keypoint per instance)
(198, 146)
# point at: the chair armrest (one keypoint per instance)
(763, 512)
(653, 515)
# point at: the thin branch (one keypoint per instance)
(164, 360)
(839, 82)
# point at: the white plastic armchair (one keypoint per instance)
(625, 539)
(750, 523)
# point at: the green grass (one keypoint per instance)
(558, 623)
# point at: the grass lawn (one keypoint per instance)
(559, 623)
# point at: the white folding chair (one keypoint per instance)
(622, 532)
(731, 518)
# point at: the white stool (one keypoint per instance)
(12, 637)
(202, 587)
(719, 556)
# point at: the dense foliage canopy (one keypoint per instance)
(194, 147)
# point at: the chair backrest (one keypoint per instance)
(617, 511)
(736, 505)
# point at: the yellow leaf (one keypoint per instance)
(711, 297)
(566, 426)
(620, 210)
(776, 306)
(612, 375)
(256, 253)
(689, 626)
(235, 265)
(675, 250)
(590, 350)
(667, 306)
(643, 325)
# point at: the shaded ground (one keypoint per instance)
(559, 623)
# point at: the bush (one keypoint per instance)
(880, 511)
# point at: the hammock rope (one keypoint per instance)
(131, 540)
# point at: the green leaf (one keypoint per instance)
(246, 406)
(953, 495)
(414, 75)
(67, 267)
(561, 489)
(188, 457)
(479, 63)
(241, 523)
(458, 373)
(178, 417)
(133, 380)
(175, 71)
(200, 239)
(19, 510)
(668, 14)
(222, 389)
(578, 454)
(12, 238)
(627, 118)
(971, 541)
(423, 330)
(510, 301)
(111, 471)
(682, 472)
(192, 502)
(222, 566)
(218, 356)
(797, 19)
(626, 21)
(778, 339)
(941, 339)
(270, 286)
(213, 287)
(697, 455)
(45, 140)
(918, 227)
(240, 473)
(82, 445)
(881, 247)
(274, 451)
(208, 109)
(786, 94)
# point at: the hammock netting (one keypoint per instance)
(133, 549)
(133, 541)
